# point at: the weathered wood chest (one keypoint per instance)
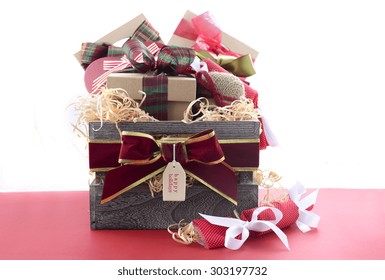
(137, 208)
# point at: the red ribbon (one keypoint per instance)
(104, 156)
(143, 157)
(205, 31)
(204, 79)
(221, 100)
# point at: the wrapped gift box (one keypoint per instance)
(123, 32)
(227, 55)
(181, 91)
(189, 39)
(136, 208)
(105, 56)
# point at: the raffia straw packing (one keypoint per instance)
(239, 110)
(111, 105)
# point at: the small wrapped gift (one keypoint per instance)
(167, 83)
(138, 28)
(218, 156)
(102, 57)
(273, 215)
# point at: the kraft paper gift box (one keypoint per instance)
(136, 208)
(181, 90)
(93, 55)
(123, 32)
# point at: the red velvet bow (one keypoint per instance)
(143, 157)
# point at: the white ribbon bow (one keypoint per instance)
(306, 219)
(237, 227)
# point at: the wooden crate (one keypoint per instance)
(138, 209)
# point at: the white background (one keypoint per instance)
(320, 76)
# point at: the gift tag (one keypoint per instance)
(174, 181)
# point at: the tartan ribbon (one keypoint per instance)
(146, 33)
(93, 51)
(134, 49)
(170, 60)
(111, 65)
(143, 157)
(153, 61)
(156, 89)
(206, 33)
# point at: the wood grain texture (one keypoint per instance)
(137, 209)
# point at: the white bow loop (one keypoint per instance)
(306, 219)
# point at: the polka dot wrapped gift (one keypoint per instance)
(271, 217)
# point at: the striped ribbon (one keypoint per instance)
(93, 51)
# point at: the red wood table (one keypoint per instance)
(55, 225)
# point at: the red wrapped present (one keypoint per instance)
(221, 52)
(216, 232)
